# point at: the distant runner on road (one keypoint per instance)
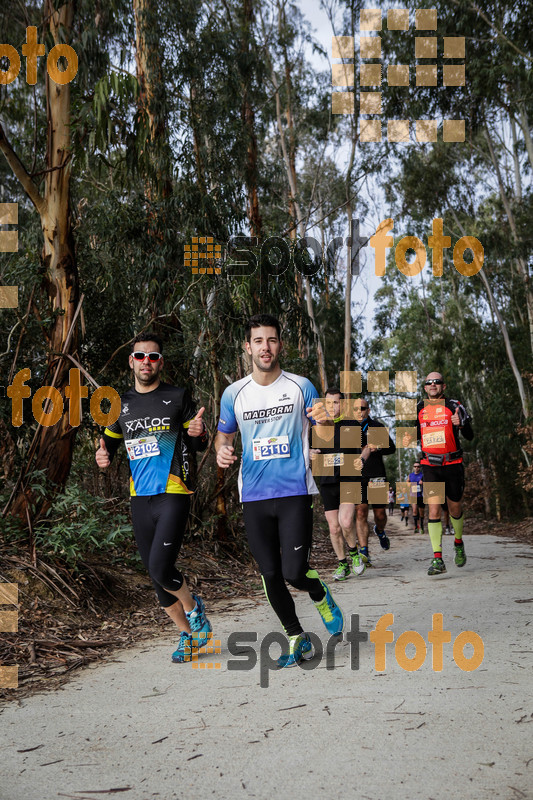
(403, 501)
(275, 481)
(439, 422)
(160, 429)
(416, 479)
(391, 499)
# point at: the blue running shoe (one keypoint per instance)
(300, 648)
(332, 616)
(199, 624)
(184, 650)
(383, 538)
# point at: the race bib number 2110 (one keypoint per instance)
(271, 447)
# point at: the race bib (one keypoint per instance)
(146, 447)
(416, 488)
(377, 483)
(271, 447)
(334, 459)
(433, 438)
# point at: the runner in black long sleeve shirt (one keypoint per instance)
(373, 476)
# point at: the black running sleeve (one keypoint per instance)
(112, 437)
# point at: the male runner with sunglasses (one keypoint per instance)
(439, 421)
(160, 428)
(275, 481)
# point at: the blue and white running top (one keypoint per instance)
(274, 431)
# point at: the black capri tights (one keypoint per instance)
(159, 523)
(279, 533)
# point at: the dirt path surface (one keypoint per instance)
(141, 727)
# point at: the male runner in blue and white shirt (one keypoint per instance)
(275, 480)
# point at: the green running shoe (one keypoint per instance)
(460, 555)
(437, 567)
(358, 566)
(300, 649)
(332, 616)
(365, 558)
(342, 572)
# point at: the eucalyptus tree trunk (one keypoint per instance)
(248, 120)
(504, 332)
(522, 265)
(151, 101)
(52, 447)
(289, 160)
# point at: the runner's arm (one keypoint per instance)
(407, 439)
(112, 437)
(419, 408)
(388, 451)
(224, 449)
(323, 429)
(195, 443)
(466, 422)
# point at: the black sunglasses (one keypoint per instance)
(436, 381)
(139, 355)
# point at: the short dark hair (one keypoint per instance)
(261, 321)
(335, 390)
(148, 336)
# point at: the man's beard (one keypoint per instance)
(273, 364)
(147, 379)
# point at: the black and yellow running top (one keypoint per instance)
(154, 426)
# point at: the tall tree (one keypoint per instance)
(51, 448)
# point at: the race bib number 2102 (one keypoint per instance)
(146, 447)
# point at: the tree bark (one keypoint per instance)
(503, 328)
(524, 125)
(523, 268)
(151, 101)
(52, 451)
(248, 119)
(291, 177)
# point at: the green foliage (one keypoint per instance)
(136, 199)
(79, 526)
